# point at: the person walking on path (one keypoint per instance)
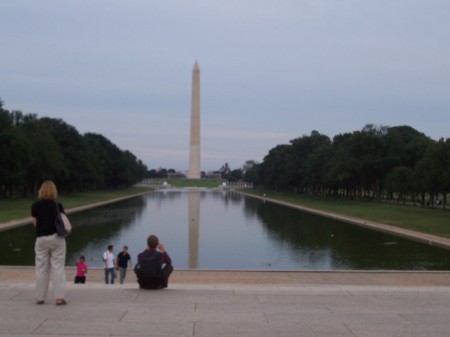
(123, 260)
(49, 248)
(149, 268)
(108, 261)
(80, 276)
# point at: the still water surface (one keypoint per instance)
(208, 229)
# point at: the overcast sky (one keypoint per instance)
(270, 71)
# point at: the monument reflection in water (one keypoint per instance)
(225, 230)
(194, 228)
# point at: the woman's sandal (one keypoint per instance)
(61, 302)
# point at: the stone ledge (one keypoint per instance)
(259, 277)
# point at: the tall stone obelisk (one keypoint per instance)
(194, 143)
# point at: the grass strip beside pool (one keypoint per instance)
(18, 208)
(416, 218)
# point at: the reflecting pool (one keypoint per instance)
(207, 229)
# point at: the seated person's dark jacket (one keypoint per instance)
(161, 279)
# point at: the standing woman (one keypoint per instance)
(50, 248)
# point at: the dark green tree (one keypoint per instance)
(400, 181)
(278, 169)
(432, 171)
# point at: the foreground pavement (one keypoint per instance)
(214, 303)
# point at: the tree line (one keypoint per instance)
(34, 149)
(377, 162)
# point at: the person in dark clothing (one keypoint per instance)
(49, 248)
(154, 265)
(123, 260)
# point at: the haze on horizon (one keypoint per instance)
(270, 71)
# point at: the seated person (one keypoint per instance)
(149, 268)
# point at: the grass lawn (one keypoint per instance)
(208, 183)
(17, 208)
(426, 220)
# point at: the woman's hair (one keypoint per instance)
(48, 191)
(152, 241)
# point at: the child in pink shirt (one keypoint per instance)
(81, 270)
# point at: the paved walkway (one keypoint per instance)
(235, 303)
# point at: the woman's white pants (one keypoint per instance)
(50, 260)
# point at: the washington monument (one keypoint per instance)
(194, 144)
